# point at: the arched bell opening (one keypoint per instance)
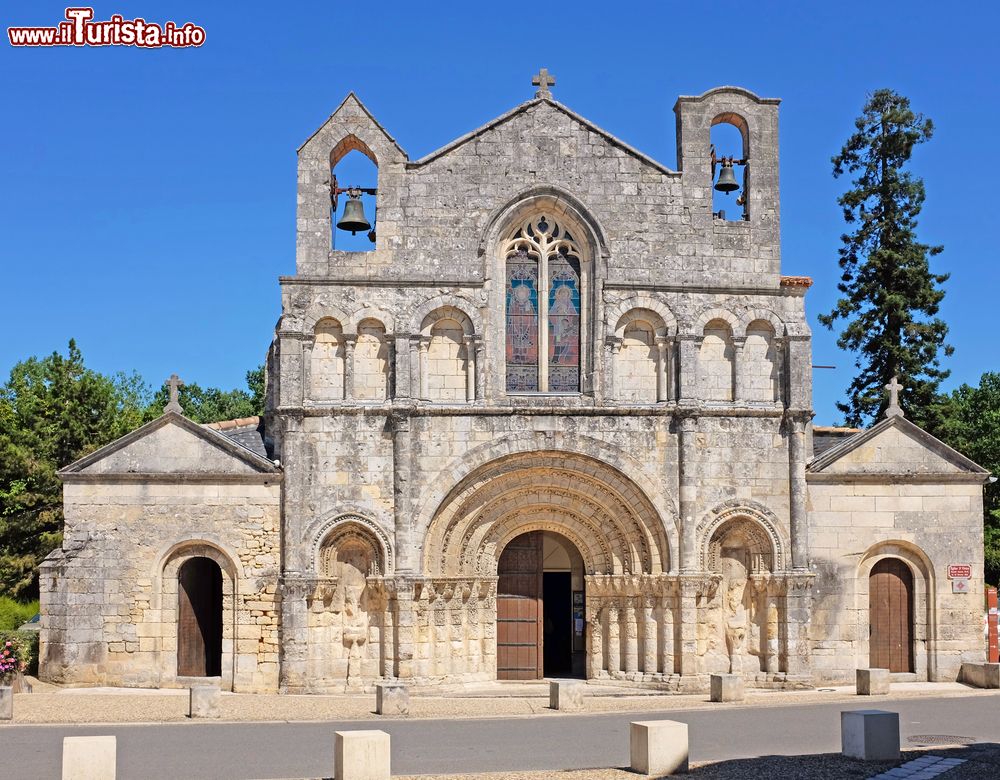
(730, 170)
(540, 608)
(353, 188)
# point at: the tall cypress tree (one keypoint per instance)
(890, 297)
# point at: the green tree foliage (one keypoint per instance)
(209, 404)
(52, 411)
(889, 295)
(972, 426)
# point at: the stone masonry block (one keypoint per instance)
(871, 735)
(89, 758)
(658, 747)
(726, 687)
(204, 701)
(392, 699)
(979, 675)
(361, 755)
(566, 695)
(872, 682)
(6, 702)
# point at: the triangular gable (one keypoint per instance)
(171, 445)
(896, 447)
(522, 108)
(351, 104)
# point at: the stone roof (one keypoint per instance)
(248, 432)
(826, 437)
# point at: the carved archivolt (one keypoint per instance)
(612, 522)
(356, 531)
(758, 524)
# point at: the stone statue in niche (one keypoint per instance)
(344, 615)
(736, 613)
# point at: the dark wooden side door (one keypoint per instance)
(519, 609)
(199, 619)
(890, 609)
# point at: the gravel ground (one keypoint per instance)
(982, 763)
(49, 704)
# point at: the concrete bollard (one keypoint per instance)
(6, 702)
(89, 758)
(204, 701)
(871, 735)
(392, 699)
(566, 695)
(658, 747)
(361, 755)
(872, 682)
(726, 687)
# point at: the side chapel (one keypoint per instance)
(557, 421)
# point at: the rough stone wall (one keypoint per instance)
(110, 595)
(929, 524)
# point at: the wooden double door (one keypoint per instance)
(534, 614)
(890, 611)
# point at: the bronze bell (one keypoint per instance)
(727, 181)
(354, 216)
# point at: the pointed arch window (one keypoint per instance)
(544, 313)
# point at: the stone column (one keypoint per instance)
(349, 343)
(402, 448)
(425, 342)
(612, 347)
(388, 631)
(401, 365)
(666, 628)
(614, 640)
(688, 367)
(307, 348)
(770, 629)
(690, 587)
(480, 368)
(662, 368)
(798, 613)
(797, 489)
(648, 635)
(413, 350)
(739, 371)
(441, 653)
(403, 622)
(470, 368)
(596, 640)
(424, 632)
(475, 657)
(631, 638)
(687, 431)
(294, 633)
(780, 368)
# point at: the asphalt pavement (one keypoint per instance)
(241, 751)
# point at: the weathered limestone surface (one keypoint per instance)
(361, 755)
(981, 675)
(658, 747)
(392, 699)
(873, 682)
(204, 701)
(89, 758)
(726, 687)
(711, 539)
(6, 702)
(566, 695)
(871, 735)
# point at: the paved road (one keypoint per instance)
(220, 751)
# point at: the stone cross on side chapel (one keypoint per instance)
(543, 81)
(894, 410)
(174, 405)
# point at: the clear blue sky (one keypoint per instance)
(148, 196)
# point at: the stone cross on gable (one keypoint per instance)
(543, 81)
(174, 405)
(894, 410)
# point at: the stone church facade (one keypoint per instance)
(556, 422)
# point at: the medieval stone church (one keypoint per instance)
(557, 422)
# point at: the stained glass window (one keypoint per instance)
(543, 308)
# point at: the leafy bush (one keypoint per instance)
(14, 613)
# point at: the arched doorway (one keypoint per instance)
(199, 619)
(540, 608)
(890, 612)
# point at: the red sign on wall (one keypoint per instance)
(959, 571)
